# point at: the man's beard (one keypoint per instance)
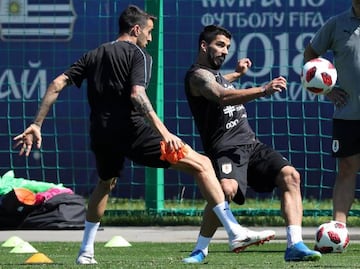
(216, 62)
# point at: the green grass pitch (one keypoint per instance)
(169, 255)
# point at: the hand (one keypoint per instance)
(276, 85)
(230, 187)
(172, 150)
(31, 135)
(243, 65)
(338, 96)
(173, 142)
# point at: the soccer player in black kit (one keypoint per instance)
(239, 158)
(123, 124)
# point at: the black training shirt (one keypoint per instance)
(111, 70)
(220, 127)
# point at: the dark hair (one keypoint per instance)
(132, 16)
(210, 32)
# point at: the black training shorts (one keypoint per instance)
(142, 147)
(256, 165)
(345, 138)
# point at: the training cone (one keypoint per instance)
(39, 258)
(23, 247)
(12, 242)
(117, 241)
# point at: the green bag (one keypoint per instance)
(8, 182)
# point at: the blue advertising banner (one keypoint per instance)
(39, 39)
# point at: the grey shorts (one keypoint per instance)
(256, 165)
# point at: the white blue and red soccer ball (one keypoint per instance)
(331, 237)
(318, 76)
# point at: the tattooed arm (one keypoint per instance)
(203, 83)
(140, 100)
(143, 105)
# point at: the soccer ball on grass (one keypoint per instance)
(318, 76)
(331, 237)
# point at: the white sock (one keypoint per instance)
(226, 217)
(203, 244)
(90, 231)
(293, 234)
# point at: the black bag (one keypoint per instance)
(62, 212)
(12, 211)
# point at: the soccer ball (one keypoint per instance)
(318, 76)
(331, 237)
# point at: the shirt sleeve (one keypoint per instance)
(77, 71)
(140, 71)
(322, 41)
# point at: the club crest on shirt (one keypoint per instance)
(335, 145)
(226, 168)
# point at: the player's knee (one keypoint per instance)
(196, 163)
(107, 185)
(289, 176)
(205, 164)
